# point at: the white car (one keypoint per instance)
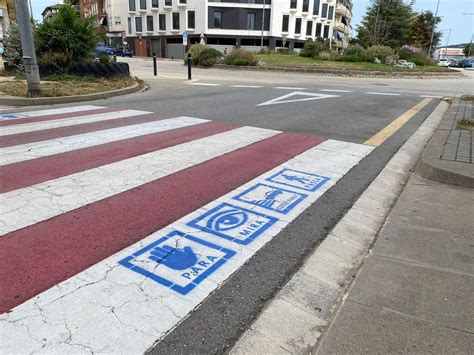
(443, 62)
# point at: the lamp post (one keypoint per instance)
(28, 47)
(263, 24)
(433, 30)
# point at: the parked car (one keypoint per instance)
(468, 63)
(123, 52)
(443, 62)
(101, 48)
(453, 63)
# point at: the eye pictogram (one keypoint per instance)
(226, 220)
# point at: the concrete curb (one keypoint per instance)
(20, 101)
(315, 292)
(349, 73)
(430, 166)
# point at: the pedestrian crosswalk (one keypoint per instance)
(116, 224)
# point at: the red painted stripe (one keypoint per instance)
(38, 257)
(36, 136)
(57, 116)
(30, 172)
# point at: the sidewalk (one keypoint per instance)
(414, 292)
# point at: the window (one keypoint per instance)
(298, 26)
(129, 25)
(175, 20)
(217, 19)
(319, 28)
(191, 19)
(131, 5)
(138, 24)
(251, 20)
(286, 20)
(324, 13)
(331, 13)
(162, 22)
(154, 3)
(305, 5)
(182, 2)
(149, 23)
(309, 28)
(317, 3)
(142, 4)
(293, 4)
(326, 31)
(168, 3)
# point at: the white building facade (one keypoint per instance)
(156, 26)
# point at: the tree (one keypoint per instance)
(468, 49)
(67, 33)
(13, 53)
(386, 22)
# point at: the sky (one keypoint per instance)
(451, 11)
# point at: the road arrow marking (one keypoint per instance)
(307, 96)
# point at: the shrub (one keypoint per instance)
(241, 57)
(324, 55)
(284, 51)
(57, 61)
(195, 51)
(104, 58)
(380, 52)
(355, 50)
(312, 48)
(67, 32)
(208, 57)
(348, 58)
(13, 53)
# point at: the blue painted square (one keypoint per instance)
(178, 261)
(11, 116)
(299, 179)
(271, 198)
(234, 223)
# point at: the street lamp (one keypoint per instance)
(433, 30)
(263, 25)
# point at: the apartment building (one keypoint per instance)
(7, 14)
(156, 26)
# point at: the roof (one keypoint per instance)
(49, 8)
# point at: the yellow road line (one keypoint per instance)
(398, 123)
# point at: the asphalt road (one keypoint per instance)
(346, 109)
(360, 109)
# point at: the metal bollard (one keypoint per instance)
(190, 61)
(155, 69)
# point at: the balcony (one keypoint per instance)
(339, 26)
(343, 11)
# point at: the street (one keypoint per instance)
(165, 220)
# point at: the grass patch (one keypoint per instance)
(466, 124)
(64, 86)
(467, 98)
(296, 61)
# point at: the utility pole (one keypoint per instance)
(375, 40)
(263, 24)
(28, 47)
(433, 30)
(31, 12)
(447, 43)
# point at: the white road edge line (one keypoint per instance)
(247, 86)
(382, 93)
(288, 88)
(335, 260)
(145, 309)
(204, 84)
(431, 96)
(334, 90)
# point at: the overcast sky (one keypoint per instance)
(462, 26)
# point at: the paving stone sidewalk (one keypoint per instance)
(459, 146)
(414, 293)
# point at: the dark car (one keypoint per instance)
(123, 52)
(105, 49)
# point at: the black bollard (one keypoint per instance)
(190, 61)
(155, 69)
